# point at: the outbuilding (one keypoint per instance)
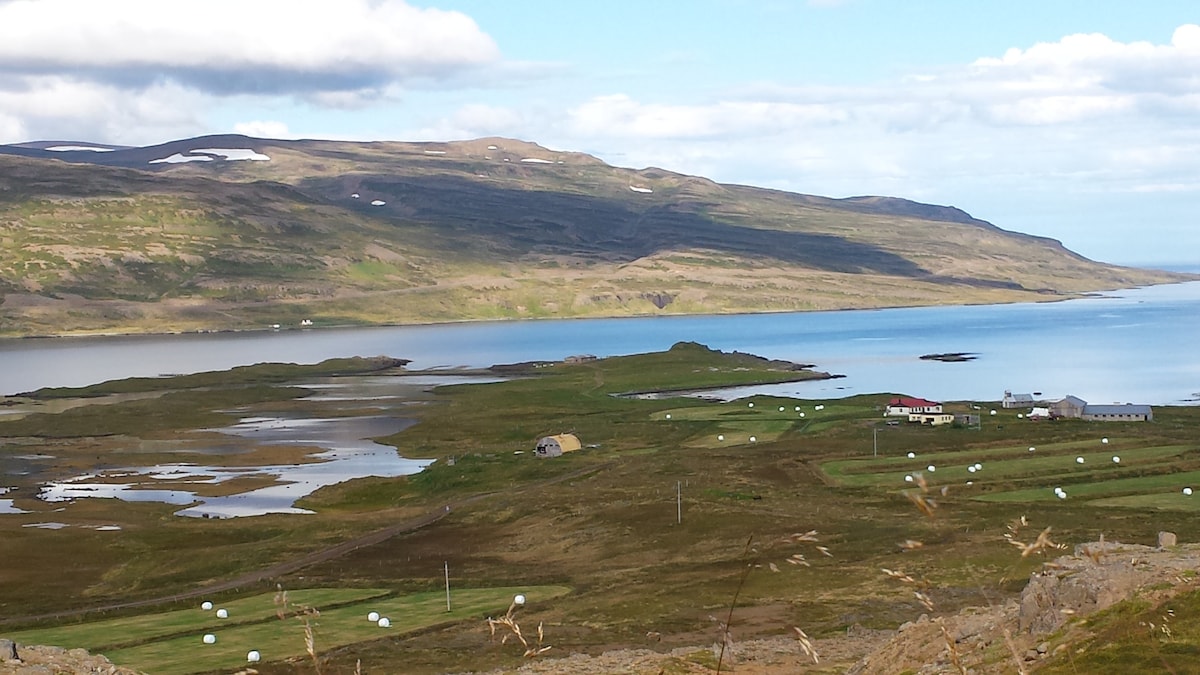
(556, 445)
(931, 419)
(1070, 407)
(1078, 408)
(1118, 413)
(1012, 400)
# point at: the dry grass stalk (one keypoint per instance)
(1095, 553)
(926, 506)
(921, 482)
(1042, 543)
(308, 617)
(899, 575)
(925, 600)
(724, 649)
(806, 644)
(1012, 649)
(810, 536)
(281, 602)
(726, 636)
(911, 544)
(509, 622)
(920, 586)
(952, 648)
(1015, 526)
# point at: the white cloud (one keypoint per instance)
(262, 129)
(1062, 110)
(236, 46)
(56, 107)
(11, 128)
(620, 115)
(141, 71)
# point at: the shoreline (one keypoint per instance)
(84, 335)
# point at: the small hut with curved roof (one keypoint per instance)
(556, 445)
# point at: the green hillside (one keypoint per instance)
(340, 232)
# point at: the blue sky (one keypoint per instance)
(1069, 119)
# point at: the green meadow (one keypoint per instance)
(172, 643)
(667, 514)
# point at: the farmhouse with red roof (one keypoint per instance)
(903, 406)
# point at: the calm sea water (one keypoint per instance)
(1139, 346)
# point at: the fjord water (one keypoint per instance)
(1138, 345)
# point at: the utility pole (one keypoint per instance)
(875, 440)
(678, 502)
(447, 568)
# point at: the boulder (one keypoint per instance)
(1167, 539)
(8, 651)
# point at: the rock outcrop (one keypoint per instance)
(1096, 576)
(36, 660)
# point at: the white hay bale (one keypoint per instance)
(373, 617)
(1187, 491)
(253, 656)
(912, 455)
(209, 638)
(384, 622)
(222, 613)
(519, 599)
(206, 606)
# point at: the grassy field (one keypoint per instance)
(171, 643)
(651, 537)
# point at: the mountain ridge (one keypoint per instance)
(232, 232)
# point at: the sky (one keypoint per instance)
(1072, 119)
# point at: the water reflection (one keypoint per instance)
(347, 454)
